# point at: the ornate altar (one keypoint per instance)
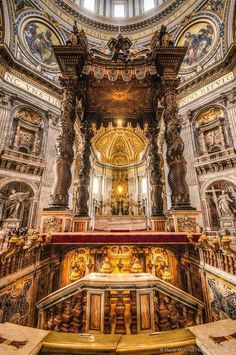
(119, 304)
(116, 92)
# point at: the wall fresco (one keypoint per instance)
(39, 39)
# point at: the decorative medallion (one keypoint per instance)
(38, 39)
(200, 38)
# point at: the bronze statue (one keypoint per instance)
(119, 47)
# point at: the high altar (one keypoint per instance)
(121, 114)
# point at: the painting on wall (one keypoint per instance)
(199, 38)
(39, 38)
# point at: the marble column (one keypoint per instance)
(154, 169)
(85, 171)
(64, 145)
(175, 146)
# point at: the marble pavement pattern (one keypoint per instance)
(216, 338)
(19, 340)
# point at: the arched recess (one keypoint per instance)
(219, 204)
(27, 132)
(18, 202)
(211, 132)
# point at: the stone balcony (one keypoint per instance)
(22, 162)
(224, 159)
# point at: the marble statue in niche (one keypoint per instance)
(14, 204)
(221, 204)
(199, 38)
(226, 205)
(39, 39)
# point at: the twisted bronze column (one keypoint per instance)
(64, 144)
(154, 167)
(85, 171)
(175, 147)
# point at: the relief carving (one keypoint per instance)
(52, 225)
(187, 224)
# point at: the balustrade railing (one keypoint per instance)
(22, 252)
(215, 156)
(217, 252)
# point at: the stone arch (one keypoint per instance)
(204, 187)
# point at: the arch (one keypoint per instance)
(198, 112)
(5, 181)
(205, 186)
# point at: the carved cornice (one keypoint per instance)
(227, 64)
(136, 25)
(27, 74)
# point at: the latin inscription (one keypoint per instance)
(10, 78)
(206, 89)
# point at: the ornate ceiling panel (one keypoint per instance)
(121, 99)
(119, 146)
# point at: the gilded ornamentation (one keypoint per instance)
(106, 267)
(136, 266)
(119, 146)
(78, 269)
(28, 115)
(187, 224)
(77, 38)
(85, 169)
(161, 38)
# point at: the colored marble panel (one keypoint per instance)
(95, 312)
(145, 311)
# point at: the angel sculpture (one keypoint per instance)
(77, 37)
(119, 47)
(161, 38)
